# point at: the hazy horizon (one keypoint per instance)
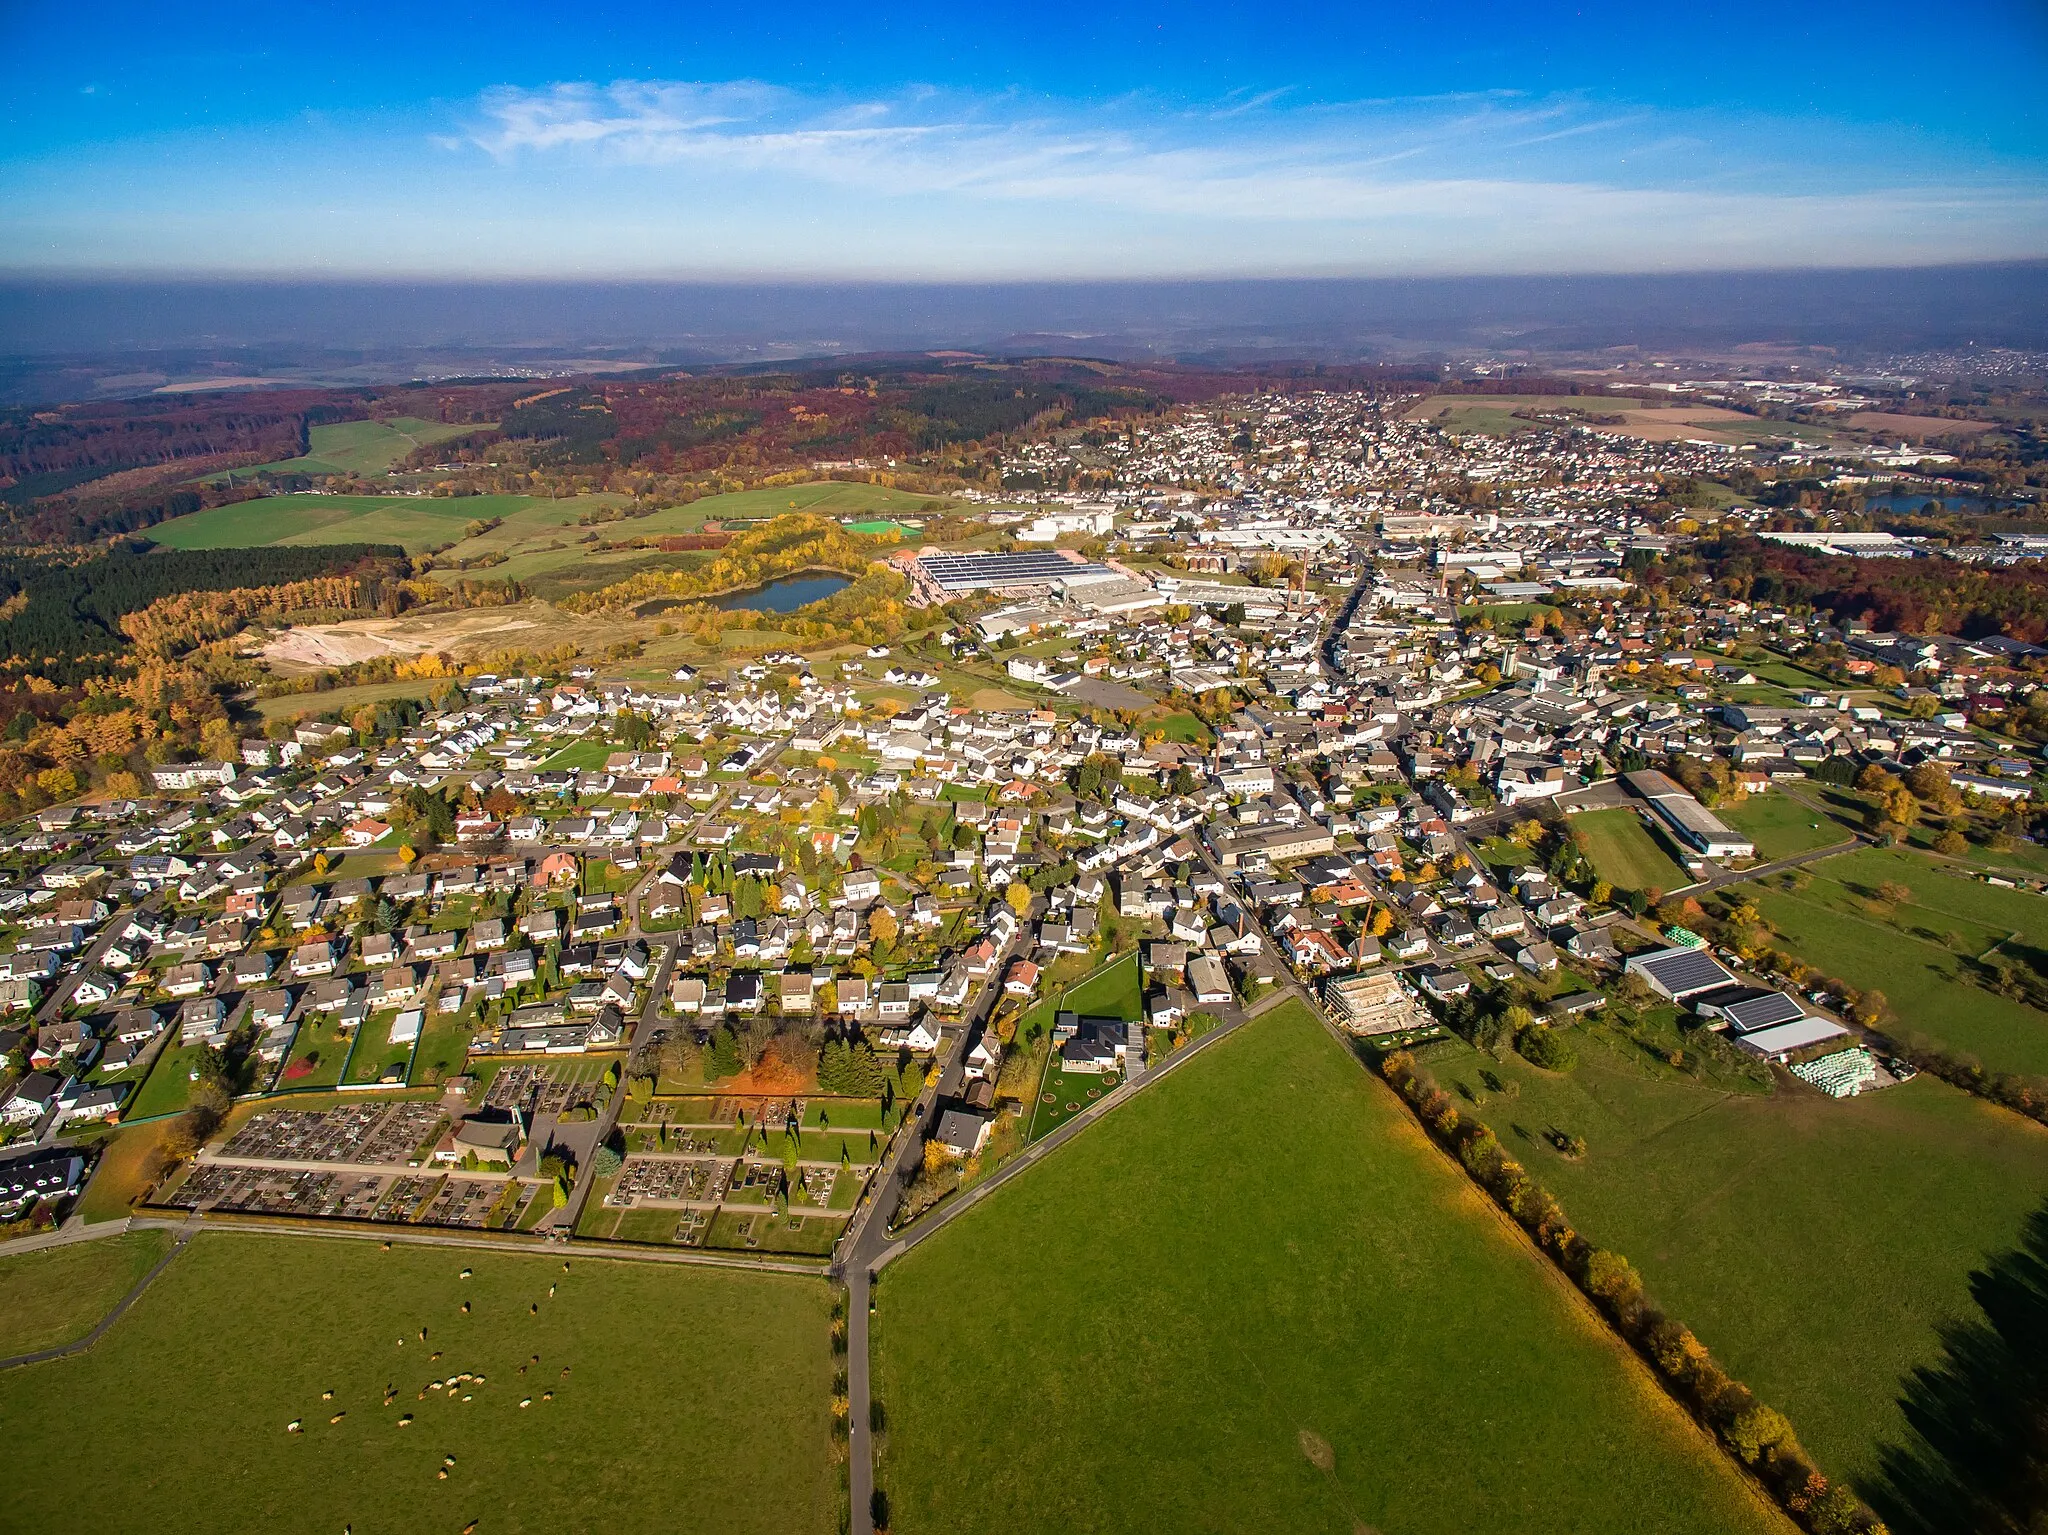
(2003, 304)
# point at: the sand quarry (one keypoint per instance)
(315, 646)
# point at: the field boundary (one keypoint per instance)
(1060, 1134)
(79, 1345)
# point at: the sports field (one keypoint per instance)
(58, 1295)
(1626, 854)
(1254, 1298)
(1815, 1246)
(1918, 952)
(683, 1398)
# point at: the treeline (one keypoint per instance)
(964, 410)
(783, 546)
(1758, 1436)
(1909, 596)
(63, 621)
(89, 519)
(123, 434)
(172, 625)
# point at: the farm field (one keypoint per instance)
(1659, 422)
(1184, 1317)
(256, 1327)
(1815, 1246)
(1918, 952)
(1781, 825)
(343, 700)
(367, 447)
(1626, 853)
(59, 1294)
(416, 522)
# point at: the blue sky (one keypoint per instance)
(1048, 140)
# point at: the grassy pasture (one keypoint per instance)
(1816, 1246)
(59, 1294)
(1161, 1325)
(343, 701)
(1915, 952)
(417, 522)
(1628, 856)
(366, 447)
(709, 1413)
(1781, 825)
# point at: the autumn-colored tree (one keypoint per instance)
(1019, 897)
(882, 925)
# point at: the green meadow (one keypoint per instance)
(1253, 1298)
(612, 1396)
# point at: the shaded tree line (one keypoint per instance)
(1757, 1435)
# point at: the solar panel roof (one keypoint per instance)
(1683, 972)
(970, 570)
(1764, 1012)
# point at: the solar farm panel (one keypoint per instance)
(967, 572)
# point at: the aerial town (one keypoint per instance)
(1465, 740)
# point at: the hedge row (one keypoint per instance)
(1757, 1435)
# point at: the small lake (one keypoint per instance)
(1905, 502)
(784, 596)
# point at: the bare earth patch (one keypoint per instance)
(364, 639)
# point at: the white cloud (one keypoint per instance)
(1481, 182)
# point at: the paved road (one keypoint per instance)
(564, 1220)
(867, 1235)
(1722, 877)
(1234, 1018)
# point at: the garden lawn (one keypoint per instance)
(444, 1042)
(168, 1087)
(319, 1053)
(374, 1052)
(580, 755)
(1063, 1095)
(1143, 1333)
(708, 1410)
(1626, 854)
(1115, 991)
(1917, 952)
(1815, 1246)
(58, 1295)
(1781, 826)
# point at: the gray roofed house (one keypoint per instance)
(963, 1131)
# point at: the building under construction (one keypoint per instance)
(1374, 1004)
